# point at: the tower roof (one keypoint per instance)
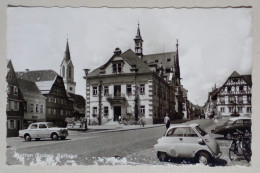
(138, 34)
(67, 52)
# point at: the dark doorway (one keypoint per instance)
(117, 112)
(117, 90)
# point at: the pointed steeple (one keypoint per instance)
(67, 52)
(177, 65)
(138, 43)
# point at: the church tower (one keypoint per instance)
(138, 43)
(67, 71)
(177, 66)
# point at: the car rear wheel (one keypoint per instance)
(54, 136)
(203, 158)
(27, 138)
(162, 156)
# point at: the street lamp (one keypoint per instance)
(85, 77)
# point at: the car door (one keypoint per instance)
(42, 131)
(33, 130)
(172, 142)
(239, 125)
(189, 142)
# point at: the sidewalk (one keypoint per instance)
(112, 127)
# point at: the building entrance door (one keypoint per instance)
(117, 112)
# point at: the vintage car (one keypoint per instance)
(187, 141)
(229, 128)
(43, 130)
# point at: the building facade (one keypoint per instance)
(34, 103)
(15, 100)
(58, 103)
(233, 98)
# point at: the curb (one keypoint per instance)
(116, 130)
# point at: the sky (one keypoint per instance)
(212, 42)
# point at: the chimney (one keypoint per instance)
(27, 70)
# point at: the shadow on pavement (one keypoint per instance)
(216, 162)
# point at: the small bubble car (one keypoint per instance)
(187, 141)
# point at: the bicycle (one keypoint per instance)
(241, 146)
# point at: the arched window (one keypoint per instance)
(69, 72)
(63, 71)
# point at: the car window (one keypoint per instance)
(170, 132)
(50, 125)
(191, 133)
(239, 122)
(42, 126)
(247, 121)
(34, 126)
(201, 131)
(229, 122)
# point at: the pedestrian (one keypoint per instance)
(216, 121)
(167, 121)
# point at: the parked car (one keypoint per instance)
(232, 125)
(187, 141)
(43, 130)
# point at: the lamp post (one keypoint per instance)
(100, 103)
(136, 95)
(85, 77)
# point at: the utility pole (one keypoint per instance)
(100, 103)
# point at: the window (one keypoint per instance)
(62, 101)
(54, 112)
(249, 99)
(142, 89)
(182, 131)
(94, 111)
(105, 110)
(11, 124)
(8, 91)
(248, 110)
(240, 109)
(42, 126)
(142, 110)
(230, 109)
(154, 89)
(229, 88)
(241, 88)
(231, 99)
(36, 108)
(49, 111)
(55, 100)
(63, 71)
(61, 112)
(8, 106)
(70, 72)
(49, 99)
(156, 60)
(15, 106)
(240, 99)
(222, 99)
(129, 89)
(117, 68)
(94, 91)
(222, 109)
(41, 109)
(15, 91)
(169, 59)
(34, 126)
(106, 91)
(31, 107)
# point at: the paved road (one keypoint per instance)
(128, 147)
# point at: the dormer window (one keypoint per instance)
(117, 68)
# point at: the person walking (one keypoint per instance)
(167, 121)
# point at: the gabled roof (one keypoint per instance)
(235, 74)
(79, 100)
(162, 59)
(37, 76)
(248, 79)
(131, 58)
(29, 87)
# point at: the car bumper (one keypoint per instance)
(217, 156)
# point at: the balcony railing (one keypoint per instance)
(117, 97)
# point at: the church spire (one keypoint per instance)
(177, 65)
(67, 52)
(138, 43)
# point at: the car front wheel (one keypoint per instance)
(203, 158)
(162, 156)
(54, 136)
(27, 138)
